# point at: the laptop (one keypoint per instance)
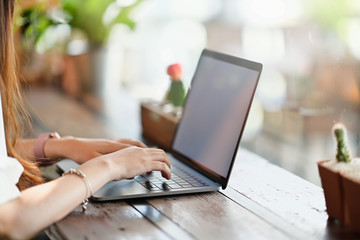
(205, 143)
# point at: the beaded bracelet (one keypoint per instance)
(88, 184)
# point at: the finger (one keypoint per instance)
(159, 155)
(137, 143)
(114, 146)
(109, 148)
(141, 144)
(163, 167)
(168, 177)
(132, 142)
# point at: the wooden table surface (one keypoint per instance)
(262, 201)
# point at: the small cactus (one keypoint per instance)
(176, 94)
(342, 153)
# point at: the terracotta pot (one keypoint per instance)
(84, 73)
(351, 190)
(333, 191)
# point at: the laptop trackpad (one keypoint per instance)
(120, 188)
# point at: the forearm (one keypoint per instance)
(42, 205)
(52, 149)
(78, 149)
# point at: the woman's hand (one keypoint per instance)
(53, 200)
(133, 161)
(82, 149)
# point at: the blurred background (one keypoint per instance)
(94, 50)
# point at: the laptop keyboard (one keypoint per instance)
(179, 180)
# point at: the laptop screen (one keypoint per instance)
(215, 111)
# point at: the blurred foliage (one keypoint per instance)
(88, 16)
(328, 13)
(33, 23)
(332, 14)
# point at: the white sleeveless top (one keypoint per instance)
(10, 168)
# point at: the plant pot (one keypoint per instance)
(158, 126)
(333, 191)
(84, 73)
(351, 190)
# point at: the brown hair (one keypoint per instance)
(15, 116)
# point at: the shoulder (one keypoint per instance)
(10, 172)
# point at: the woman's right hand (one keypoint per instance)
(133, 161)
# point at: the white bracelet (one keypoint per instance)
(88, 184)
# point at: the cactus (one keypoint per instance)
(342, 154)
(176, 93)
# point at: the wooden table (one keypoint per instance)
(262, 200)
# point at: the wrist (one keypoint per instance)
(39, 146)
(102, 168)
(108, 165)
(57, 148)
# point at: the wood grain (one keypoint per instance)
(291, 198)
(213, 216)
(116, 220)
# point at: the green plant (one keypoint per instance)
(176, 94)
(33, 23)
(88, 16)
(342, 154)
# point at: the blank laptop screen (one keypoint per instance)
(215, 112)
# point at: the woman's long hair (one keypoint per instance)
(15, 116)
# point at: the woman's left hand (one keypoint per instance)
(83, 149)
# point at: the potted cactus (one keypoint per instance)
(159, 119)
(340, 179)
(176, 93)
(331, 181)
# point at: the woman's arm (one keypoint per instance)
(77, 149)
(42, 205)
